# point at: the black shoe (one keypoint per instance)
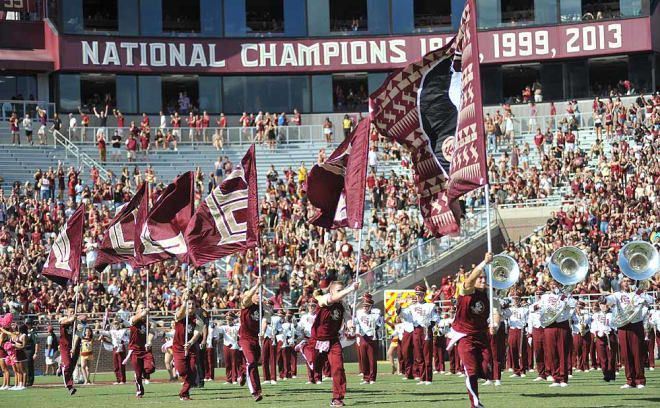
(72, 391)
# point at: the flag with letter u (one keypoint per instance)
(118, 243)
(63, 262)
(433, 107)
(159, 232)
(336, 187)
(227, 221)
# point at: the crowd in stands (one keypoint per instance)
(613, 195)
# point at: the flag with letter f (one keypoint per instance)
(227, 221)
(63, 262)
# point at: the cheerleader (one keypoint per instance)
(16, 354)
(4, 367)
(50, 350)
(86, 354)
(394, 343)
(168, 355)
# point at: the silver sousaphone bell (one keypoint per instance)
(569, 265)
(505, 271)
(639, 260)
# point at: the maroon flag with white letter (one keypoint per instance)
(336, 187)
(468, 163)
(63, 262)
(227, 221)
(159, 232)
(118, 243)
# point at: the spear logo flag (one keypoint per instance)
(421, 107)
(336, 187)
(159, 234)
(118, 243)
(228, 219)
(63, 262)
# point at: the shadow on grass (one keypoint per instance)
(563, 395)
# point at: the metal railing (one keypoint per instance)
(422, 254)
(82, 158)
(204, 136)
(21, 107)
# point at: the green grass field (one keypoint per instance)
(584, 390)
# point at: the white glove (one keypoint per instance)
(357, 340)
(529, 341)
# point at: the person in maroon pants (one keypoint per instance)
(601, 329)
(211, 353)
(141, 359)
(439, 344)
(406, 350)
(534, 326)
(69, 347)
(305, 324)
(368, 324)
(517, 337)
(324, 342)
(185, 343)
(229, 333)
(581, 322)
(269, 350)
(248, 335)
(497, 343)
(557, 336)
(118, 337)
(470, 329)
(631, 335)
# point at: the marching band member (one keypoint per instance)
(230, 351)
(277, 322)
(368, 321)
(534, 327)
(272, 327)
(601, 329)
(184, 346)
(440, 342)
(649, 340)
(287, 343)
(497, 342)
(557, 336)
(580, 323)
(654, 321)
(517, 342)
(406, 348)
(118, 337)
(631, 335)
(470, 328)
(141, 359)
(423, 316)
(324, 342)
(454, 358)
(211, 351)
(203, 320)
(248, 334)
(305, 327)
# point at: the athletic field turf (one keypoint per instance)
(584, 390)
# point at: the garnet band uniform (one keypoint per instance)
(557, 336)
(142, 361)
(119, 340)
(631, 336)
(601, 329)
(534, 327)
(230, 350)
(367, 328)
(422, 316)
(248, 335)
(517, 341)
(185, 360)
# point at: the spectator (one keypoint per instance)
(327, 130)
(27, 126)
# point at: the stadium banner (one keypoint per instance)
(159, 232)
(405, 296)
(228, 219)
(336, 187)
(468, 169)
(63, 262)
(118, 245)
(198, 55)
(24, 6)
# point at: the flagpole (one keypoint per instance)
(490, 249)
(187, 298)
(261, 293)
(357, 271)
(146, 297)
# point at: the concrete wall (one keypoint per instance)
(520, 222)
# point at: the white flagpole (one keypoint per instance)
(357, 270)
(187, 312)
(490, 249)
(146, 297)
(261, 294)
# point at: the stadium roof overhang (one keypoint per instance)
(38, 60)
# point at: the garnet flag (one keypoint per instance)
(63, 262)
(159, 232)
(228, 220)
(336, 187)
(419, 106)
(468, 162)
(118, 243)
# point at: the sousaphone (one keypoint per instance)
(568, 265)
(505, 271)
